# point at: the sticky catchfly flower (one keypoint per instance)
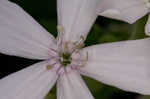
(126, 10)
(123, 64)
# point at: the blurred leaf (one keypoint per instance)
(92, 84)
(94, 35)
(50, 25)
(108, 38)
(145, 97)
(50, 96)
(139, 28)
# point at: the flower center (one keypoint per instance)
(65, 62)
(67, 55)
(65, 59)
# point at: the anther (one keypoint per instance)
(60, 29)
(66, 45)
(79, 44)
(61, 32)
(82, 37)
(49, 67)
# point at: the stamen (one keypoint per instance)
(66, 45)
(81, 40)
(79, 44)
(60, 38)
(49, 67)
(82, 37)
(61, 32)
(60, 29)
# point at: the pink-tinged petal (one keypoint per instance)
(125, 65)
(21, 35)
(76, 17)
(125, 10)
(147, 27)
(33, 82)
(71, 86)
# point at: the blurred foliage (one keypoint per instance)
(146, 97)
(104, 30)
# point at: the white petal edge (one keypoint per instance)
(77, 17)
(147, 27)
(124, 10)
(125, 65)
(33, 82)
(71, 86)
(21, 35)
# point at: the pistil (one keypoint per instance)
(65, 59)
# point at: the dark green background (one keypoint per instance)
(104, 30)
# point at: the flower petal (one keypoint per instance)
(76, 17)
(33, 82)
(125, 10)
(71, 86)
(21, 35)
(125, 65)
(147, 27)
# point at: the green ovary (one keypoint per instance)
(65, 59)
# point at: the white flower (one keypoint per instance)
(123, 64)
(126, 10)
